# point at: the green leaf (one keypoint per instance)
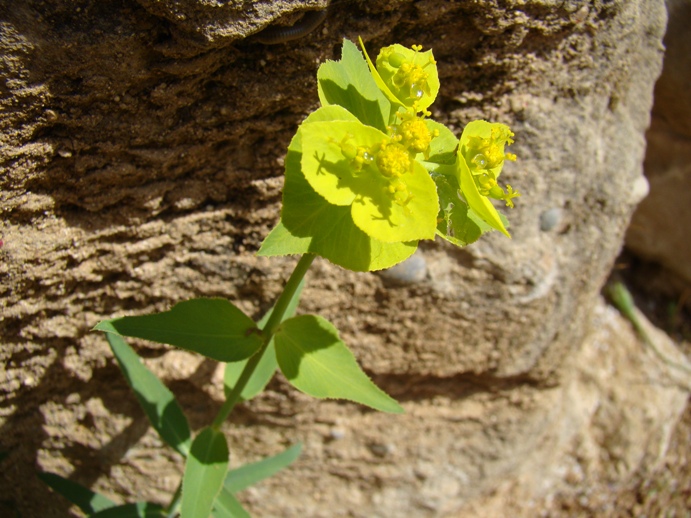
(315, 361)
(205, 471)
(454, 223)
(84, 498)
(227, 506)
(267, 365)
(138, 510)
(348, 83)
(158, 402)
(249, 474)
(214, 328)
(309, 224)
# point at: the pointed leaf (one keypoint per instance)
(267, 365)
(249, 474)
(315, 361)
(138, 510)
(214, 328)
(205, 471)
(348, 83)
(227, 506)
(156, 400)
(84, 498)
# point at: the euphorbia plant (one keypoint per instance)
(367, 176)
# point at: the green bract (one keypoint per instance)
(391, 196)
(480, 160)
(407, 77)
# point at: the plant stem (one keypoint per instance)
(275, 319)
(174, 505)
(269, 329)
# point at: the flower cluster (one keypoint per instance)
(369, 174)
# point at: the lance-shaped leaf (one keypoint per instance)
(311, 224)
(214, 328)
(87, 500)
(205, 471)
(315, 361)
(156, 400)
(138, 510)
(341, 180)
(227, 506)
(348, 83)
(250, 474)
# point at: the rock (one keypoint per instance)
(140, 152)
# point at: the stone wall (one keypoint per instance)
(142, 145)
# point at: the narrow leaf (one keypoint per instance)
(267, 365)
(314, 359)
(214, 328)
(138, 510)
(204, 473)
(227, 506)
(158, 402)
(84, 498)
(249, 474)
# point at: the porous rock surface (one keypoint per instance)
(142, 145)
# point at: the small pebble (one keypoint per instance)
(381, 450)
(551, 219)
(412, 270)
(639, 190)
(337, 434)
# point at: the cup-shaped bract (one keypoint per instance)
(407, 76)
(391, 195)
(481, 157)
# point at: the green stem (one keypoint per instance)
(275, 319)
(174, 505)
(269, 329)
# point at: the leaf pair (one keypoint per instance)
(308, 351)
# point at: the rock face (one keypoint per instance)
(659, 229)
(142, 145)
